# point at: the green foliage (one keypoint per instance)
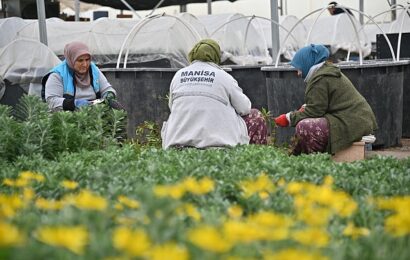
(121, 170)
(118, 171)
(148, 134)
(30, 129)
(83, 147)
(10, 130)
(270, 123)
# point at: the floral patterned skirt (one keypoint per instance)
(257, 129)
(312, 135)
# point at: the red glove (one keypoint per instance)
(282, 120)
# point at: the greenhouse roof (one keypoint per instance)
(144, 4)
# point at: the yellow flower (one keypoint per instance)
(355, 232)
(270, 219)
(398, 224)
(16, 183)
(262, 186)
(169, 251)
(263, 195)
(189, 210)
(132, 242)
(281, 182)
(295, 187)
(130, 203)
(9, 235)
(24, 179)
(235, 211)
(10, 204)
(328, 181)
(314, 216)
(343, 204)
(397, 204)
(8, 182)
(87, 200)
(28, 175)
(208, 238)
(200, 187)
(45, 204)
(28, 194)
(312, 237)
(73, 238)
(69, 185)
(247, 231)
(173, 191)
(308, 198)
(119, 206)
(293, 254)
(260, 226)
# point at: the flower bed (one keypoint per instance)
(250, 202)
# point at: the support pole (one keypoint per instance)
(274, 27)
(182, 8)
(77, 10)
(130, 8)
(155, 7)
(209, 6)
(41, 15)
(281, 7)
(361, 8)
(393, 11)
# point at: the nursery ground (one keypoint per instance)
(400, 152)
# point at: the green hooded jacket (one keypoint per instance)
(330, 94)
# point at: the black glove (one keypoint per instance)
(111, 101)
(109, 95)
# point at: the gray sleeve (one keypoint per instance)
(54, 92)
(105, 86)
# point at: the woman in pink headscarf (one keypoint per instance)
(76, 81)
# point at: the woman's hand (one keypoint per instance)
(302, 108)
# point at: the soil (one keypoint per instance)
(400, 152)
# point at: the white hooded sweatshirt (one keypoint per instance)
(206, 106)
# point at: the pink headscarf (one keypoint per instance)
(72, 51)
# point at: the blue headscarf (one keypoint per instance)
(309, 56)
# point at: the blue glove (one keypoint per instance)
(81, 102)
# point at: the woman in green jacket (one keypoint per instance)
(335, 114)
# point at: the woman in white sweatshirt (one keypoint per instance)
(208, 108)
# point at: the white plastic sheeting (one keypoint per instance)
(371, 30)
(195, 23)
(59, 33)
(106, 37)
(240, 41)
(293, 42)
(159, 37)
(103, 36)
(402, 23)
(25, 62)
(9, 28)
(338, 32)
